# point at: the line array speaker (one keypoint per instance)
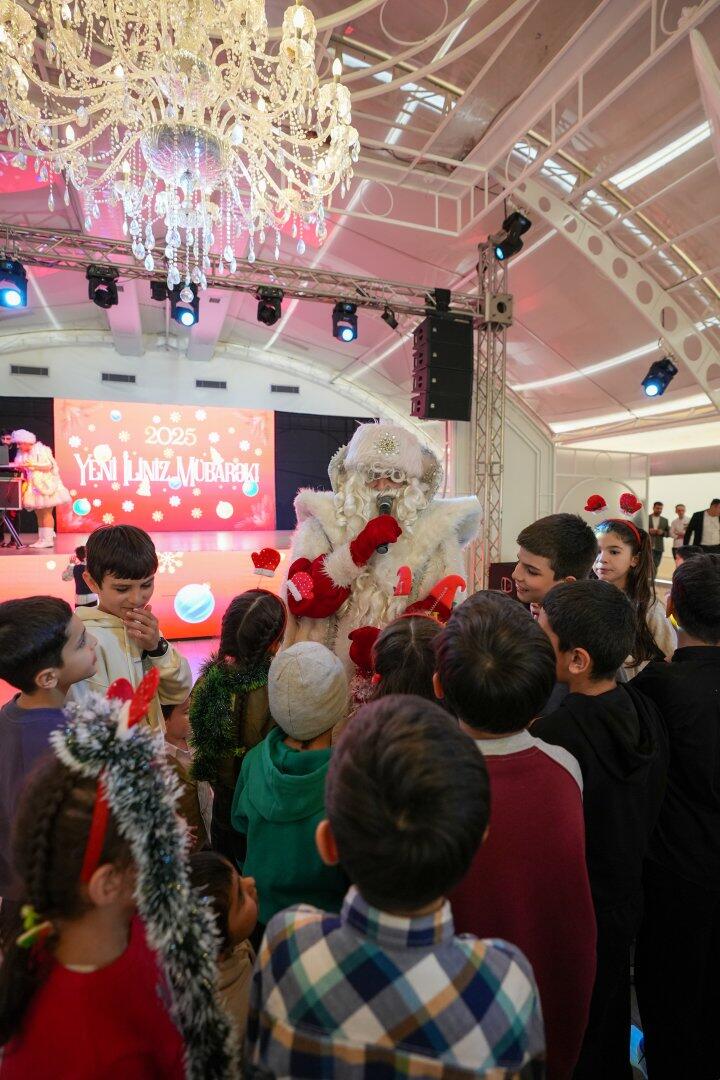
(443, 368)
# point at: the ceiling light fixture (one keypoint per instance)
(388, 316)
(659, 158)
(102, 285)
(13, 284)
(344, 321)
(185, 305)
(269, 309)
(185, 115)
(507, 243)
(659, 377)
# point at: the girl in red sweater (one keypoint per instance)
(81, 993)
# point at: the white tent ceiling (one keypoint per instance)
(494, 94)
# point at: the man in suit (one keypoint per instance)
(658, 529)
(704, 528)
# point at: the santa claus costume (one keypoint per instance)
(43, 489)
(339, 577)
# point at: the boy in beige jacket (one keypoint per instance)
(121, 568)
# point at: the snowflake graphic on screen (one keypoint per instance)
(174, 417)
(244, 445)
(108, 519)
(196, 512)
(97, 502)
(74, 441)
(213, 437)
(196, 492)
(128, 506)
(200, 414)
(174, 500)
(168, 452)
(157, 515)
(91, 427)
(258, 452)
(124, 436)
(169, 561)
(115, 486)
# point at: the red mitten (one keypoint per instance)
(265, 561)
(383, 529)
(326, 596)
(363, 640)
(629, 504)
(300, 586)
(595, 504)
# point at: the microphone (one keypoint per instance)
(384, 503)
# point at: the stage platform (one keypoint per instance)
(198, 575)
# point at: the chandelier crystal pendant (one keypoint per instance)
(178, 111)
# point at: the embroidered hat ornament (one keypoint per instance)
(103, 739)
(385, 449)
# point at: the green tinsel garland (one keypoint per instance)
(212, 716)
(142, 790)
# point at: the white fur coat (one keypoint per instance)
(433, 547)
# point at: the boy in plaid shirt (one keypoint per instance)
(386, 988)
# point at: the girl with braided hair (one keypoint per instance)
(625, 560)
(81, 994)
(229, 711)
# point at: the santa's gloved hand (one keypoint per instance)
(319, 601)
(383, 529)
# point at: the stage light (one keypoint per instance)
(269, 308)
(185, 304)
(388, 317)
(102, 285)
(659, 377)
(13, 284)
(344, 321)
(158, 291)
(508, 242)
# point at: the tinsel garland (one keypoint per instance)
(212, 716)
(142, 790)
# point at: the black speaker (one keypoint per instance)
(443, 368)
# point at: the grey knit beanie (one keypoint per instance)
(307, 690)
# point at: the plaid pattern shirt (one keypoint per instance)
(364, 994)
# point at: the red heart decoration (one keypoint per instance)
(120, 690)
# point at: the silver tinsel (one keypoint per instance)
(142, 791)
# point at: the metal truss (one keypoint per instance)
(65, 250)
(488, 419)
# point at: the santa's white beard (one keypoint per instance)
(356, 505)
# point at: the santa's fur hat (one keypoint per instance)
(23, 436)
(386, 447)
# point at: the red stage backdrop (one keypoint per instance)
(165, 468)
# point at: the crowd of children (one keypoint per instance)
(453, 879)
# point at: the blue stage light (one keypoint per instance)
(659, 377)
(344, 321)
(186, 317)
(13, 284)
(185, 304)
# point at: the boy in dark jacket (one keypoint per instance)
(678, 950)
(619, 740)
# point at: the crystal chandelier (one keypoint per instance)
(178, 111)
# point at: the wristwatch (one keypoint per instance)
(162, 648)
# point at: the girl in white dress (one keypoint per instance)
(43, 489)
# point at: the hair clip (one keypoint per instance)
(34, 930)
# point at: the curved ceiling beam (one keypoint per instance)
(655, 304)
(449, 57)
(345, 15)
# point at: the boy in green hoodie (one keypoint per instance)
(280, 794)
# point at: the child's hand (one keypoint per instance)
(143, 627)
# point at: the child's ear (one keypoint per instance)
(108, 884)
(325, 843)
(437, 687)
(568, 580)
(580, 662)
(91, 582)
(47, 679)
